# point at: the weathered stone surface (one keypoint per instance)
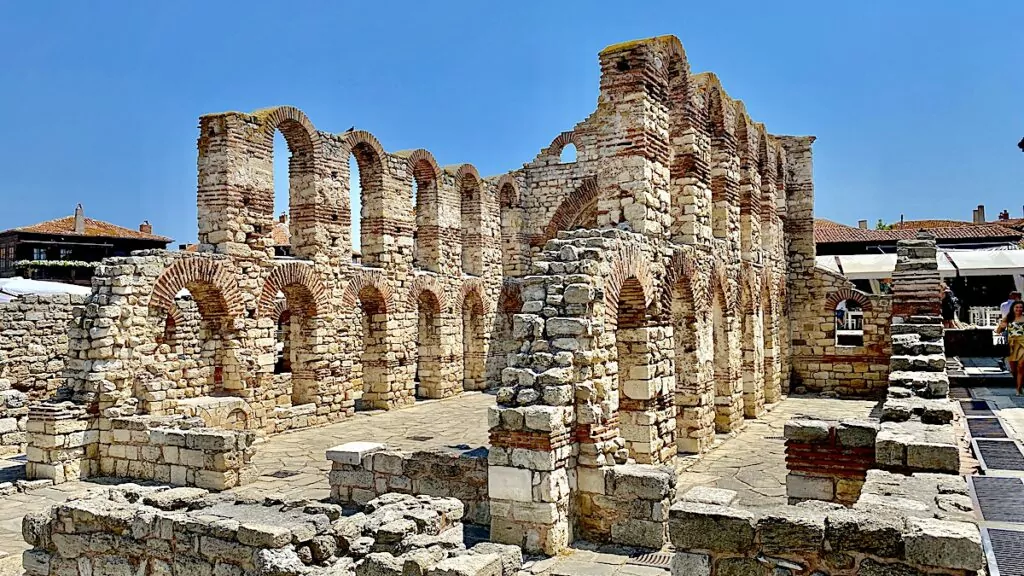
(696, 526)
(878, 534)
(944, 544)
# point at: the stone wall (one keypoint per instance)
(13, 409)
(362, 471)
(34, 342)
(184, 531)
(828, 461)
(822, 365)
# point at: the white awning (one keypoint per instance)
(951, 264)
(989, 262)
(19, 286)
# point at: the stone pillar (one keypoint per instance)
(634, 140)
(61, 444)
(916, 280)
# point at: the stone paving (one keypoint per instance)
(293, 465)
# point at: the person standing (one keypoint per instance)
(1013, 325)
(1004, 308)
(949, 306)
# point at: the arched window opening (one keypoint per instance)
(428, 347)
(283, 346)
(849, 323)
(568, 155)
(473, 353)
(280, 235)
(355, 186)
(376, 375)
(636, 366)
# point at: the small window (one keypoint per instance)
(65, 254)
(568, 154)
(849, 318)
(39, 253)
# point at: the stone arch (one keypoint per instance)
(508, 191)
(426, 283)
(474, 286)
(212, 284)
(721, 288)
(838, 296)
(300, 284)
(305, 158)
(471, 198)
(554, 150)
(374, 302)
(510, 300)
(721, 129)
(628, 262)
(280, 307)
(363, 279)
(750, 294)
(682, 267)
(574, 211)
(370, 157)
(425, 301)
(426, 235)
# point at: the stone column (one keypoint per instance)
(915, 290)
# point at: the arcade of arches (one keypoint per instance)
(631, 300)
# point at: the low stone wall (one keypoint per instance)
(828, 460)
(632, 508)
(186, 531)
(362, 471)
(719, 540)
(174, 450)
(169, 450)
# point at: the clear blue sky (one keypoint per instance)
(917, 105)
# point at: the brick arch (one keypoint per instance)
(747, 136)
(367, 278)
(295, 126)
(298, 281)
(716, 103)
(766, 154)
(838, 296)
(561, 141)
(473, 287)
(213, 287)
(357, 138)
(682, 268)
(426, 283)
(570, 210)
(720, 289)
(422, 165)
(508, 191)
(280, 307)
(769, 292)
(460, 171)
(628, 262)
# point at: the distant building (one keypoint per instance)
(67, 249)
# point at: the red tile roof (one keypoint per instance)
(97, 228)
(928, 224)
(280, 235)
(828, 232)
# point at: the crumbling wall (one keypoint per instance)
(185, 531)
(362, 471)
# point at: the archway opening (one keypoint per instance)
(473, 352)
(471, 224)
(568, 154)
(374, 357)
(280, 234)
(849, 323)
(426, 244)
(428, 346)
(692, 382)
(355, 199)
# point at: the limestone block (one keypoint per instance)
(944, 544)
(633, 481)
(788, 528)
(857, 433)
(687, 564)
(878, 534)
(696, 526)
(469, 565)
(352, 453)
(809, 487)
(708, 495)
(506, 483)
(264, 535)
(511, 556)
(806, 431)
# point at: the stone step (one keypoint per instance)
(923, 384)
(926, 331)
(917, 347)
(920, 363)
(935, 411)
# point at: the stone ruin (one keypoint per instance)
(626, 307)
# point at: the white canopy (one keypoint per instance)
(13, 287)
(951, 264)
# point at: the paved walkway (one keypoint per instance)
(753, 463)
(293, 465)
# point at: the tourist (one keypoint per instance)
(840, 314)
(1013, 325)
(949, 305)
(1004, 308)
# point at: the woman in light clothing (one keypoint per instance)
(1013, 325)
